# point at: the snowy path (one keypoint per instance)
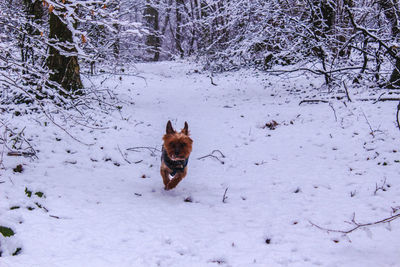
(111, 213)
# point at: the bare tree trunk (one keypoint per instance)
(391, 10)
(167, 18)
(153, 40)
(194, 17)
(34, 13)
(178, 35)
(65, 68)
(323, 19)
(116, 45)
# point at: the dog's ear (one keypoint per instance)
(185, 129)
(170, 130)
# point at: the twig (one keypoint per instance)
(334, 111)
(312, 101)
(212, 81)
(347, 91)
(123, 156)
(219, 151)
(213, 156)
(151, 149)
(377, 188)
(379, 99)
(369, 125)
(317, 71)
(397, 115)
(19, 154)
(224, 197)
(357, 225)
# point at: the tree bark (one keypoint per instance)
(391, 10)
(33, 14)
(178, 31)
(153, 40)
(64, 66)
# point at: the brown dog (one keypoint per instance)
(175, 155)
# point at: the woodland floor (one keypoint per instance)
(320, 165)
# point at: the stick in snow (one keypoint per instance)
(224, 197)
(357, 225)
(397, 115)
(313, 101)
(213, 156)
(151, 149)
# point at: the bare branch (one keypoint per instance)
(123, 156)
(213, 156)
(151, 149)
(313, 101)
(357, 225)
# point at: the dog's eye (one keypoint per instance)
(183, 144)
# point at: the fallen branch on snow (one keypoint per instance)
(19, 154)
(313, 101)
(357, 225)
(151, 149)
(213, 156)
(123, 156)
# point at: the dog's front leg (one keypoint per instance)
(175, 181)
(165, 175)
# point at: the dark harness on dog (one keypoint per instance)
(174, 165)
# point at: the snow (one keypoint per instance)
(320, 165)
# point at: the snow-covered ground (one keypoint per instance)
(319, 166)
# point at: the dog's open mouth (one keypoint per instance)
(175, 158)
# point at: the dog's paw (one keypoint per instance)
(170, 186)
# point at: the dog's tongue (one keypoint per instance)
(174, 158)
